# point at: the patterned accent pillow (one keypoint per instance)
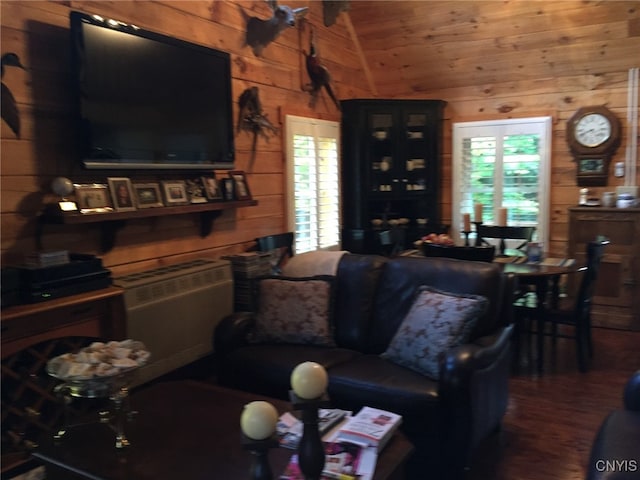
(295, 310)
(437, 321)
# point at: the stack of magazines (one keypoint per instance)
(289, 427)
(371, 426)
(351, 448)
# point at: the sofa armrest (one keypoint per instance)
(232, 332)
(473, 393)
(632, 393)
(460, 362)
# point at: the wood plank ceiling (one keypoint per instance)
(425, 46)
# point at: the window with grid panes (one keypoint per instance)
(503, 163)
(313, 183)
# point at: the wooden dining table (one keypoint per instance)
(544, 277)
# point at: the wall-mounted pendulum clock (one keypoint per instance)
(593, 136)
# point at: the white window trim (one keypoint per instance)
(509, 127)
(312, 127)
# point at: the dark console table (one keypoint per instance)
(98, 313)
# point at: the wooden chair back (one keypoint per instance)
(477, 254)
(506, 233)
(280, 245)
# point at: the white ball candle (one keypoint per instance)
(309, 380)
(258, 420)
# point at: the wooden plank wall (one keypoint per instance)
(508, 59)
(38, 32)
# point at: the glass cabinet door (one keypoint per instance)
(381, 153)
(416, 153)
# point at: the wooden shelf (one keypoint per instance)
(111, 222)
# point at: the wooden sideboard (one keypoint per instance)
(99, 313)
(616, 303)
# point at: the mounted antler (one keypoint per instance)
(261, 33)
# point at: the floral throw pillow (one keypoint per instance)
(437, 321)
(294, 310)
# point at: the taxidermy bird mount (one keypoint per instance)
(251, 119)
(261, 33)
(8, 107)
(318, 74)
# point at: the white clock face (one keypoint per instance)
(593, 129)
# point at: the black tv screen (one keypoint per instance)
(149, 101)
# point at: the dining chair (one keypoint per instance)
(505, 233)
(279, 245)
(575, 318)
(390, 242)
(477, 254)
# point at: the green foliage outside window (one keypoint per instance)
(520, 165)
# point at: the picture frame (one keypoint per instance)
(212, 188)
(148, 195)
(195, 190)
(175, 192)
(240, 185)
(93, 197)
(121, 194)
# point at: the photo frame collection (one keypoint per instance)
(122, 194)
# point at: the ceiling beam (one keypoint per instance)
(363, 61)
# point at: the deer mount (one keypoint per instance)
(261, 33)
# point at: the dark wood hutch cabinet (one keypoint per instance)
(616, 301)
(391, 158)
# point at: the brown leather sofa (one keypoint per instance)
(615, 454)
(445, 419)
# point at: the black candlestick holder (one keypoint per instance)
(311, 453)
(259, 449)
(466, 237)
(478, 238)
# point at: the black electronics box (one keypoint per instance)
(82, 274)
(10, 286)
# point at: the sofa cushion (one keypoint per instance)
(356, 286)
(266, 369)
(376, 382)
(294, 310)
(437, 321)
(402, 276)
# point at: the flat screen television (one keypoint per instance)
(149, 101)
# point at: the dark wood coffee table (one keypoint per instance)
(184, 430)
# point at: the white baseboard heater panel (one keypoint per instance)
(174, 310)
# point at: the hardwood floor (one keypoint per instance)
(553, 418)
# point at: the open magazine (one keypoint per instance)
(370, 426)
